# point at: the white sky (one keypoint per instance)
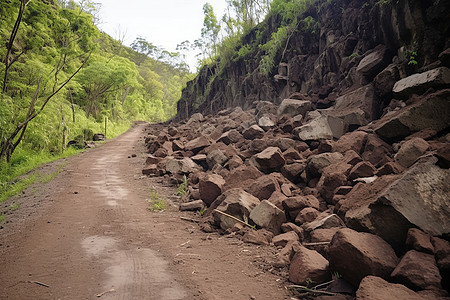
(164, 23)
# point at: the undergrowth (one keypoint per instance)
(156, 203)
(17, 176)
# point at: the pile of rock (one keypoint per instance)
(370, 204)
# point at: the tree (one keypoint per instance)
(210, 30)
(9, 45)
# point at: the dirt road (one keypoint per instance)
(88, 234)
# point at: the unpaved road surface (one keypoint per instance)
(88, 234)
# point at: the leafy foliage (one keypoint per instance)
(51, 43)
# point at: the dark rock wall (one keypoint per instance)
(358, 43)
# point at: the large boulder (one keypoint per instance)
(210, 186)
(421, 82)
(374, 62)
(266, 215)
(181, 166)
(350, 141)
(315, 164)
(390, 206)
(376, 288)
(237, 203)
(316, 129)
(410, 151)
(241, 177)
(269, 160)
(333, 176)
(293, 107)
(263, 187)
(358, 254)
(253, 132)
(431, 112)
(353, 110)
(293, 205)
(197, 144)
(418, 271)
(308, 265)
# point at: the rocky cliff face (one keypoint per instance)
(370, 44)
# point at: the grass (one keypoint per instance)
(16, 176)
(156, 203)
(183, 188)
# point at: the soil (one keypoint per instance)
(89, 234)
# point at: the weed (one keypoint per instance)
(14, 206)
(412, 58)
(202, 210)
(183, 188)
(353, 55)
(2, 218)
(309, 282)
(156, 203)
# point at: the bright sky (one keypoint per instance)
(164, 23)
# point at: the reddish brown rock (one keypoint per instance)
(350, 141)
(177, 145)
(258, 237)
(193, 205)
(333, 176)
(442, 252)
(277, 199)
(152, 169)
(210, 186)
(253, 132)
(234, 162)
(306, 215)
(325, 146)
(376, 288)
(352, 158)
(410, 151)
(263, 187)
(287, 227)
(324, 221)
(308, 265)
(389, 168)
(197, 144)
(419, 240)
(269, 160)
(258, 145)
(417, 271)
(292, 155)
(294, 205)
(216, 157)
(266, 215)
(152, 160)
(285, 238)
(315, 164)
(376, 151)
(355, 255)
(323, 235)
(230, 137)
(293, 171)
(241, 177)
(362, 169)
(237, 203)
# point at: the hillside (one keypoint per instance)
(62, 79)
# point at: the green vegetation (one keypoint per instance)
(156, 203)
(183, 188)
(61, 79)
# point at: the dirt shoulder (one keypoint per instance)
(89, 234)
